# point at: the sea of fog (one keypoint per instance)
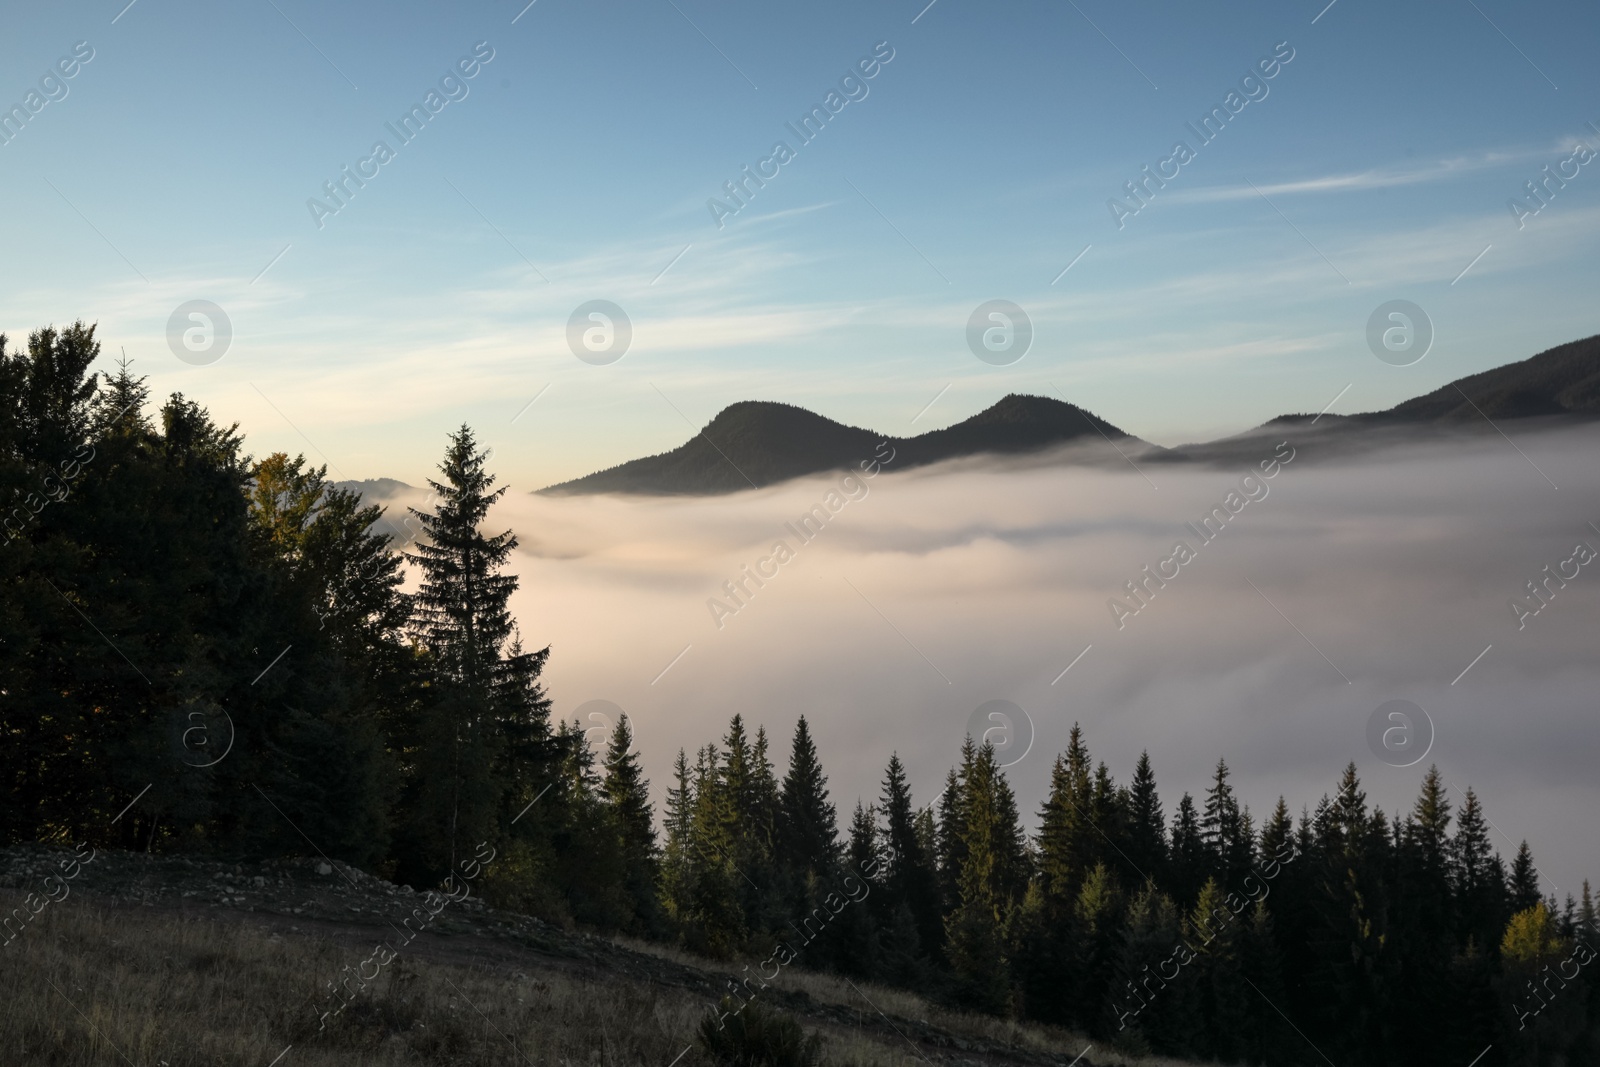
(1335, 588)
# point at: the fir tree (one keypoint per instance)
(1095, 928)
(1424, 924)
(1222, 829)
(1147, 829)
(1267, 1037)
(627, 794)
(1149, 1002)
(460, 616)
(910, 882)
(854, 935)
(1215, 935)
(1524, 887)
(990, 880)
(119, 408)
(1477, 876)
(714, 921)
(1189, 860)
(951, 829)
(808, 833)
(676, 859)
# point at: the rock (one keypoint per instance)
(324, 867)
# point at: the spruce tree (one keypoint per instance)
(1149, 1003)
(1069, 840)
(1267, 1037)
(627, 794)
(911, 880)
(119, 407)
(854, 936)
(1190, 861)
(460, 616)
(1349, 922)
(1424, 924)
(1215, 934)
(1477, 876)
(1095, 939)
(715, 922)
(808, 835)
(676, 858)
(1524, 888)
(988, 883)
(1147, 829)
(1222, 829)
(951, 829)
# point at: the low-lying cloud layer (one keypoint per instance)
(1336, 587)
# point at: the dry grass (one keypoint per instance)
(872, 999)
(90, 985)
(119, 986)
(96, 986)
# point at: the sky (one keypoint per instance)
(577, 160)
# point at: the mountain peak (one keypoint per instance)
(754, 443)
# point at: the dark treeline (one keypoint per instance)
(166, 599)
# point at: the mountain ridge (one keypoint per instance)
(756, 443)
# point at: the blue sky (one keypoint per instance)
(579, 164)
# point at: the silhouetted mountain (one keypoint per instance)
(1017, 423)
(758, 443)
(1562, 381)
(1559, 385)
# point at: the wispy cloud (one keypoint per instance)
(1358, 181)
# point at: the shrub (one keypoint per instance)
(754, 1036)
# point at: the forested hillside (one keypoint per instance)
(205, 652)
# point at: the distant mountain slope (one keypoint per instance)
(376, 490)
(1564, 380)
(752, 443)
(759, 443)
(1561, 384)
(1017, 423)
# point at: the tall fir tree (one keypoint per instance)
(1477, 876)
(627, 794)
(676, 859)
(1095, 939)
(808, 832)
(1222, 828)
(911, 881)
(991, 879)
(1189, 861)
(1147, 827)
(1523, 891)
(482, 688)
(1223, 998)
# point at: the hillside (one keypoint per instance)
(159, 954)
(1564, 380)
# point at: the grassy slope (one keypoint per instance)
(167, 964)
